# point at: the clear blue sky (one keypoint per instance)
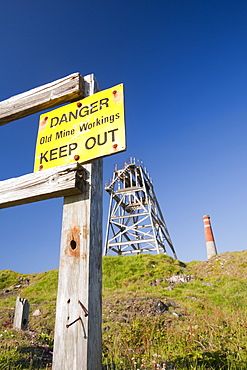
(184, 67)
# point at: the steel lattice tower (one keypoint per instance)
(135, 221)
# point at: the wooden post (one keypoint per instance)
(21, 314)
(77, 342)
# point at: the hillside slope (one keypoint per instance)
(191, 314)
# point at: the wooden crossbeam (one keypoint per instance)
(47, 96)
(52, 183)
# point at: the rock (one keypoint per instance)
(37, 313)
(172, 303)
(161, 307)
(190, 297)
(180, 279)
(177, 314)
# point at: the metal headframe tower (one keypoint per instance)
(135, 221)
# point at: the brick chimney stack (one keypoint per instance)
(210, 243)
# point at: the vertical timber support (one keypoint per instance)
(21, 314)
(77, 342)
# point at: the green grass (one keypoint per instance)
(209, 334)
(206, 330)
(131, 272)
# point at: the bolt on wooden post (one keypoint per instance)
(77, 342)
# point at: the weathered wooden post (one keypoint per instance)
(21, 314)
(77, 342)
(79, 132)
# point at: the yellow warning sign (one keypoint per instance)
(78, 132)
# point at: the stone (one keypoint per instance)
(37, 313)
(161, 307)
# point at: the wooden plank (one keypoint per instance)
(78, 346)
(52, 183)
(43, 97)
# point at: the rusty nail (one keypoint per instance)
(79, 104)
(41, 167)
(84, 308)
(76, 157)
(68, 325)
(114, 146)
(114, 92)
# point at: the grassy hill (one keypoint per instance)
(156, 312)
